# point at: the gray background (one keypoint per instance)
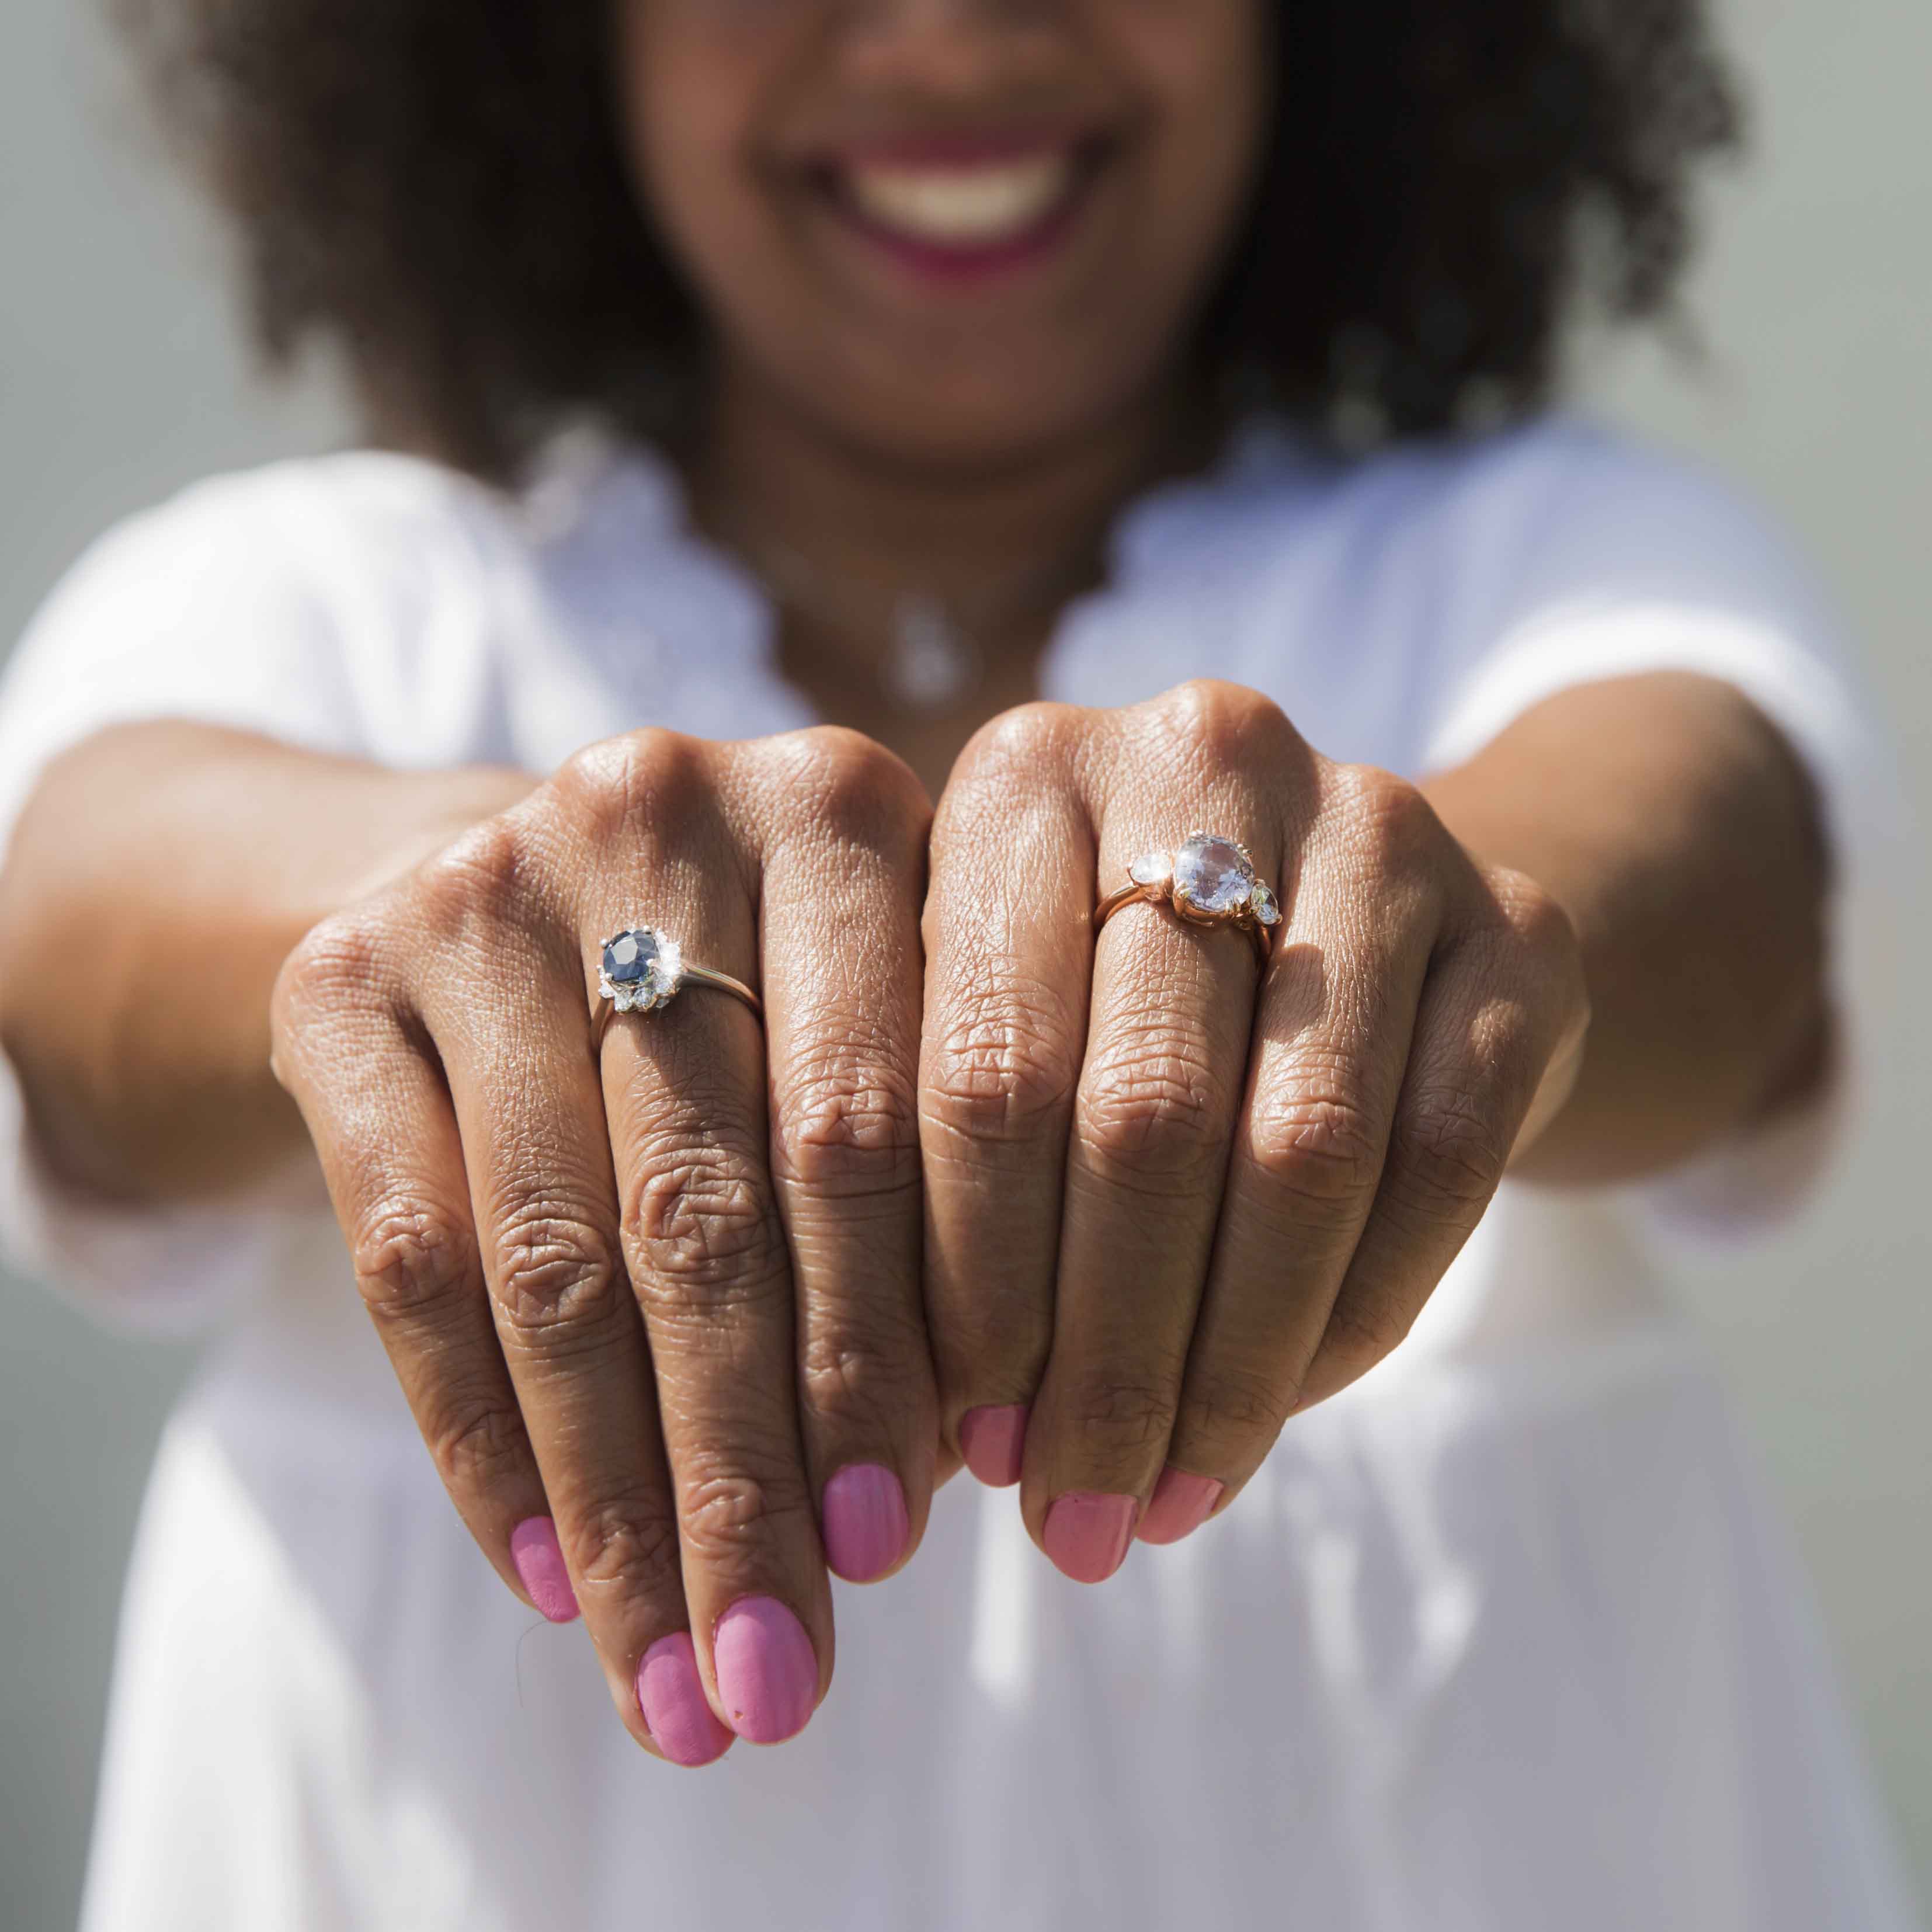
(120, 377)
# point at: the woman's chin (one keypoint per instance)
(972, 415)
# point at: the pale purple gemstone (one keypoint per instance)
(1213, 874)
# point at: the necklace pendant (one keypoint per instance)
(931, 663)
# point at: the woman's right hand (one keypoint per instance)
(657, 1314)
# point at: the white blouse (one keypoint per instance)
(1499, 1640)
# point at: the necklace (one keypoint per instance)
(935, 651)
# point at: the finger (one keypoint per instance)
(1331, 1041)
(528, 1106)
(1482, 1041)
(373, 1099)
(684, 1089)
(1009, 960)
(1167, 1053)
(842, 976)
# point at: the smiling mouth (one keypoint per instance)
(962, 209)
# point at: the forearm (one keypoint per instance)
(1674, 825)
(157, 880)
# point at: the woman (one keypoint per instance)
(1117, 420)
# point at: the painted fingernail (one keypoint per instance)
(767, 1672)
(538, 1557)
(1179, 1505)
(993, 1440)
(866, 1522)
(670, 1693)
(1087, 1534)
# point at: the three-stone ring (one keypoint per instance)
(1207, 880)
(642, 969)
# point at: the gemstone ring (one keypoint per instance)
(1207, 880)
(642, 969)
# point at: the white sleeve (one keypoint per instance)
(1636, 565)
(201, 609)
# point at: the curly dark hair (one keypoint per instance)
(439, 187)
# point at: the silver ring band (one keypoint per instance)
(641, 969)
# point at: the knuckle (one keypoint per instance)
(849, 783)
(339, 965)
(1319, 1149)
(1003, 1069)
(1361, 1332)
(411, 1259)
(556, 1275)
(1242, 1404)
(872, 1370)
(489, 877)
(1023, 740)
(477, 1443)
(651, 777)
(625, 1545)
(730, 1511)
(1122, 1415)
(1387, 821)
(1232, 723)
(1540, 928)
(1152, 1105)
(995, 1335)
(1448, 1154)
(846, 1124)
(700, 1223)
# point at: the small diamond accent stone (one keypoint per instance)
(1212, 875)
(1265, 909)
(1151, 868)
(641, 970)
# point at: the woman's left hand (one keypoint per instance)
(1172, 1196)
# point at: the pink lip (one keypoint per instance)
(953, 264)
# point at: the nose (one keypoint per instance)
(959, 41)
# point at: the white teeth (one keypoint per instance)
(973, 206)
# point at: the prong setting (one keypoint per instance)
(1208, 880)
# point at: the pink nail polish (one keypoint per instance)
(866, 1522)
(767, 1672)
(1087, 1534)
(993, 1440)
(671, 1695)
(1180, 1505)
(538, 1557)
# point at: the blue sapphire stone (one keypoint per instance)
(628, 958)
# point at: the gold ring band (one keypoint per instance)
(1207, 880)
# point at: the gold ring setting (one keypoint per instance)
(641, 970)
(1207, 880)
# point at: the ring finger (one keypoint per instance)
(685, 1093)
(1334, 1035)
(1154, 1114)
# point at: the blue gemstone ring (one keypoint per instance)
(642, 969)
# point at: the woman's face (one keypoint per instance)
(947, 231)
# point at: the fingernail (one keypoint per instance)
(767, 1673)
(866, 1522)
(1179, 1506)
(538, 1557)
(670, 1693)
(993, 1440)
(1087, 1534)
